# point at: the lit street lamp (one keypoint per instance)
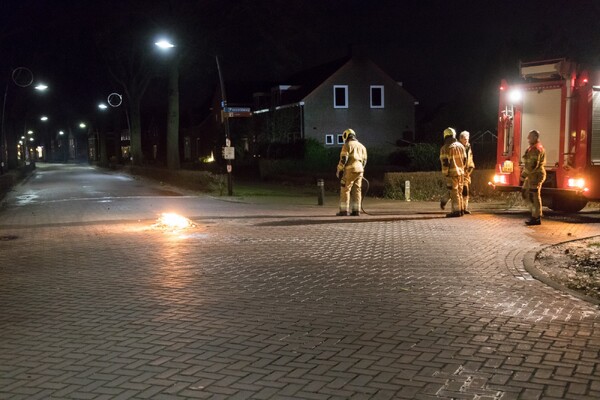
(164, 44)
(43, 118)
(173, 114)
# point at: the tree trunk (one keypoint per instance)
(102, 148)
(11, 145)
(173, 118)
(135, 125)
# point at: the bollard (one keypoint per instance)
(407, 190)
(321, 191)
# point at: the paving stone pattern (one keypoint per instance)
(255, 308)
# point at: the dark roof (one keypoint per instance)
(242, 92)
(308, 80)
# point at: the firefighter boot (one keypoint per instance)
(533, 221)
(342, 214)
(454, 214)
(355, 213)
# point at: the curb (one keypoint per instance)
(529, 264)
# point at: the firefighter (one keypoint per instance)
(533, 175)
(453, 159)
(469, 167)
(350, 170)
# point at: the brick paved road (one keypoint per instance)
(277, 308)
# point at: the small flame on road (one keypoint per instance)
(173, 221)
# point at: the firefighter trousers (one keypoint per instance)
(454, 184)
(465, 192)
(350, 191)
(533, 197)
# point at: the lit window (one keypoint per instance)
(328, 139)
(340, 139)
(340, 96)
(377, 96)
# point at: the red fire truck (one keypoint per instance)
(562, 102)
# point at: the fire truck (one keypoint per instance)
(562, 102)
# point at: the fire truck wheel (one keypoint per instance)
(568, 204)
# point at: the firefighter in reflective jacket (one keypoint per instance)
(453, 160)
(469, 167)
(533, 175)
(350, 170)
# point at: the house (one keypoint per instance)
(319, 104)
(348, 93)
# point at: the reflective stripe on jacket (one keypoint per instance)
(353, 156)
(453, 159)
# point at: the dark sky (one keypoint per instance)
(445, 52)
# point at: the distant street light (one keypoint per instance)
(43, 118)
(30, 132)
(82, 125)
(61, 132)
(102, 106)
(41, 87)
(164, 44)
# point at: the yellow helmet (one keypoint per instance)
(449, 132)
(347, 133)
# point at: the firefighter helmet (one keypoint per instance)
(449, 132)
(347, 133)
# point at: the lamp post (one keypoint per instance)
(164, 44)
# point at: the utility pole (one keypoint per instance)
(225, 118)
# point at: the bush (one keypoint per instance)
(424, 157)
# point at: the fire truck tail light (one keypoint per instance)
(576, 183)
(501, 179)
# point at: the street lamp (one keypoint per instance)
(41, 87)
(165, 45)
(43, 118)
(102, 106)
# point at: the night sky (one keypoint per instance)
(450, 55)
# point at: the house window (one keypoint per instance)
(340, 96)
(377, 96)
(340, 139)
(329, 139)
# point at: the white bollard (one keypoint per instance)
(407, 190)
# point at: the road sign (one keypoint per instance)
(237, 109)
(229, 153)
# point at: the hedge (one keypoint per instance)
(429, 186)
